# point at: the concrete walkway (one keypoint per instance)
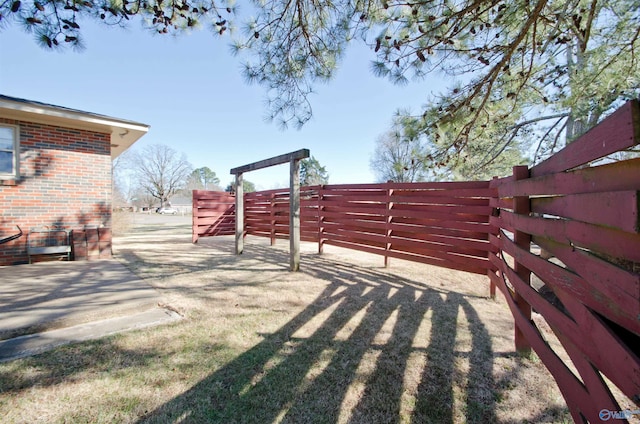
(47, 304)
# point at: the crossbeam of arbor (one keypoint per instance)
(294, 159)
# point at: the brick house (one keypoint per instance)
(55, 172)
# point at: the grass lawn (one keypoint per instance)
(344, 340)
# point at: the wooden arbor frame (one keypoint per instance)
(294, 159)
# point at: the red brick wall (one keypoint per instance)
(65, 180)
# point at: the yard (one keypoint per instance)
(343, 340)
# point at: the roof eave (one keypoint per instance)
(123, 133)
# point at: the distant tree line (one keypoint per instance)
(155, 174)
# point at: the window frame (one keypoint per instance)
(15, 173)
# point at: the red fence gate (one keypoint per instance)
(586, 217)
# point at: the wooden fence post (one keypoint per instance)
(494, 202)
(294, 192)
(522, 206)
(294, 215)
(320, 219)
(239, 215)
(272, 214)
(194, 216)
(387, 226)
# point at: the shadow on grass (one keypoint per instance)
(66, 362)
(371, 348)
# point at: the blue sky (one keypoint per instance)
(191, 92)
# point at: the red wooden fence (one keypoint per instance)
(213, 214)
(445, 224)
(585, 216)
(267, 214)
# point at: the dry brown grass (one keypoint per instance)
(344, 340)
(121, 222)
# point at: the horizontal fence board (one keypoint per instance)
(353, 210)
(621, 308)
(446, 209)
(356, 237)
(212, 205)
(217, 232)
(618, 209)
(334, 227)
(408, 257)
(212, 221)
(449, 236)
(617, 176)
(458, 266)
(355, 246)
(418, 230)
(610, 279)
(266, 193)
(460, 191)
(578, 399)
(439, 185)
(215, 218)
(566, 328)
(603, 348)
(461, 259)
(338, 216)
(463, 192)
(260, 227)
(221, 224)
(618, 132)
(592, 338)
(442, 244)
(361, 221)
(496, 182)
(426, 214)
(209, 194)
(435, 249)
(378, 225)
(369, 196)
(481, 245)
(423, 198)
(600, 239)
(438, 223)
(445, 185)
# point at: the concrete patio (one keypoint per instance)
(50, 303)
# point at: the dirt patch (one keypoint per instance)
(343, 340)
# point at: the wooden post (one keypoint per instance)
(239, 214)
(494, 202)
(522, 206)
(294, 220)
(272, 231)
(320, 219)
(387, 225)
(294, 215)
(194, 216)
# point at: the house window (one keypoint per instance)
(9, 152)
